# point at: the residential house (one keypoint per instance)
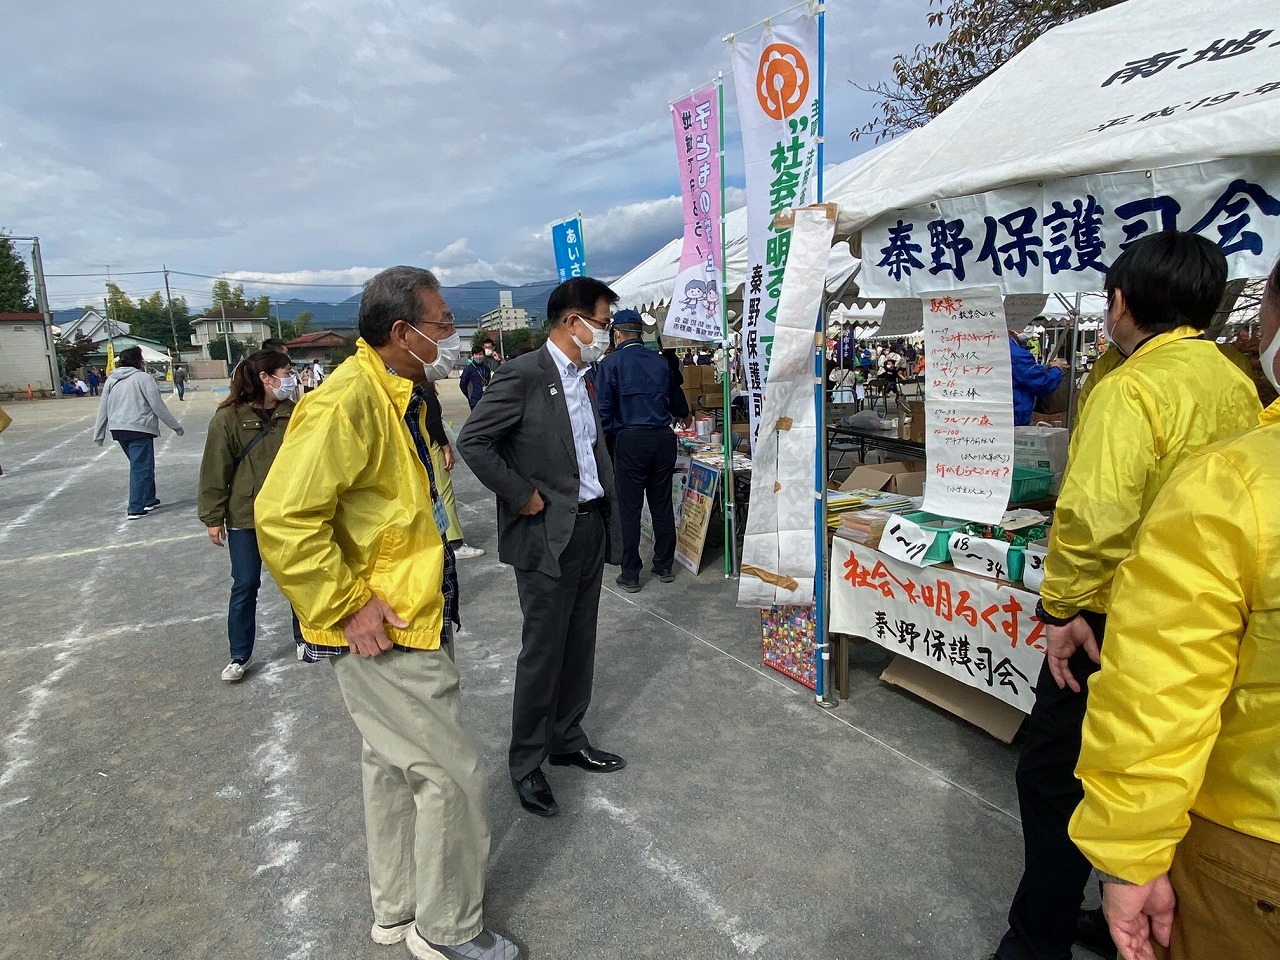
(249, 328)
(317, 346)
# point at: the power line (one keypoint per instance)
(130, 273)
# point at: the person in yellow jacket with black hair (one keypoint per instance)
(1181, 750)
(1174, 395)
(355, 539)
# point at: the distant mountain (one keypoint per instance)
(468, 301)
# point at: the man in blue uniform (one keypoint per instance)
(638, 398)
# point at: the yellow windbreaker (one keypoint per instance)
(1185, 714)
(1175, 395)
(347, 514)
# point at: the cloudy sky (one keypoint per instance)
(318, 140)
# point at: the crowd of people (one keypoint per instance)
(1152, 757)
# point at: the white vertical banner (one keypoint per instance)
(778, 544)
(777, 88)
(968, 404)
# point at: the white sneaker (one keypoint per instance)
(233, 671)
(467, 552)
(302, 655)
(391, 935)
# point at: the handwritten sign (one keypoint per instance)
(982, 633)
(1033, 575)
(906, 540)
(987, 558)
(968, 390)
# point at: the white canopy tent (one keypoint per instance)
(651, 283)
(1169, 111)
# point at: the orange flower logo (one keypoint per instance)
(782, 82)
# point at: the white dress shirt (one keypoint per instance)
(583, 419)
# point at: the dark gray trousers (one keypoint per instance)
(557, 653)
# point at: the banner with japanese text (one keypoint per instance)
(778, 545)
(571, 249)
(778, 92)
(968, 405)
(1061, 237)
(695, 312)
(982, 633)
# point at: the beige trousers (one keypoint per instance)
(426, 806)
(1228, 887)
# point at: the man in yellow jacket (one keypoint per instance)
(352, 531)
(1174, 394)
(1181, 752)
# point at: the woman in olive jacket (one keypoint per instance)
(244, 437)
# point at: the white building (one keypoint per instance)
(506, 317)
(93, 325)
(249, 329)
(24, 356)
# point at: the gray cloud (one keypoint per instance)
(297, 139)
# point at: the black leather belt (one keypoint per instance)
(592, 506)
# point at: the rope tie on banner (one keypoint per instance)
(775, 579)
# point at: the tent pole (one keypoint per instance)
(1071, 362)
(822, 648)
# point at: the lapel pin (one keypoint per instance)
(554, 391)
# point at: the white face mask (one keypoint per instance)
(593, 351)
(488, 351)
(446, 355)
(1268, 360)
(288, 385)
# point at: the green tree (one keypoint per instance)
(15, 280)
(225, 295)
(981, 36)
(151, 320)
(261, 306)
(302, 322)
(218, 350)
(348, 349)
(510, 342)
(120, 307)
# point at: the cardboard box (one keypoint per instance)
(904, 478)
(1042, 448)
(712, 400)
(981, 709)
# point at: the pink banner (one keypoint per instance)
(695, 312)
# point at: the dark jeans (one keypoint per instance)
(246, 578)
(644, 460)
(1042, 920)
(181, 387)
(141, 450)
(556, 666)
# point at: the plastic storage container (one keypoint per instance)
(1030, 484)
(942, 528)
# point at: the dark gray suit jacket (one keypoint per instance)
(519, 439)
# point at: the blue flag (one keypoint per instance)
(571, 251)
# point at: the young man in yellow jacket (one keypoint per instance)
(1174, 394)
(1181, 754)
(354, 536)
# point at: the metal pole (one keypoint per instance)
(727, 493)
(1071, 364)
(822, 653)
(582, 239)
(279, 335)
(42, 304)
(173, 330)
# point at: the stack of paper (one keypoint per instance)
(864, 526)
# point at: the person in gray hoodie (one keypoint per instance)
(131, 408)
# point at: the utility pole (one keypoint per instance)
(42, 303)
(226, 336)
(279, 335)
(173, 330)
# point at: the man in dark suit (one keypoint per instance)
(535, 440)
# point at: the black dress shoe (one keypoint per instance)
(535, 794)
(666, 576)
(1092, 932)
(589, 758)
(631, 586)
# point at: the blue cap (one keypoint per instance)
(627, 320)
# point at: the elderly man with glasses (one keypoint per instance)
(536, 441)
